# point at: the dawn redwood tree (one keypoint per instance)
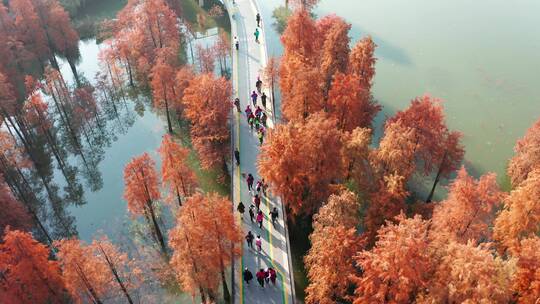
(194, 264)
(175, 172)
(182, 78)
(298, 164)
(527, 155)
(435, 147)
(384, 205)
(302, 4)
(350, 104)
(452, 155)
(398, 266)
(27, 274)
(207, 106)
(395, 154)
(335, 51)
(163, 86)
(356, 157)
(223, 235)
(362, 61)
(141, 191)
(12, 213)
(520, 216)
(526, 281)
(300, 37)
(468, 274)
(271, 77)
(467, 213)
(333, 244)
(125, 273)
(87, 278)
(222, 50)
(206, 57)
(304, 96)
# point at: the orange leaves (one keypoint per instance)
(527, 155)
(469, 274)
(207, 106)
(301, 161)
(398, 266)
(526, 281)
(141, 183)
(202, 242)
(467, 213)
(179, 178)
(27, 274)
(520, 217)
(12, 212)
(350, 103)
(333, 245)
(362, 61)
(97, 271)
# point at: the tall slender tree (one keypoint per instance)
(175, 172)
(141, 191)
(527, 155)
(26, 273)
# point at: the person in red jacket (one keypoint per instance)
(272, 274)
(261, 274)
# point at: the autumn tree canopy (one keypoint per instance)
(175, 172)
(28, 276)
(527, 155)
(207, 105)
(334, 242)
(202, 243)
(141, 191)
(299, 165)
(398, 266)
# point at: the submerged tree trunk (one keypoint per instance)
(73, 67)
(437, 179)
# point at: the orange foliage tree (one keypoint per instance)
(468, 274)
(206, 59)
(12, 213)
(207, 106)
(362, 61)
(333, 245)
(335, 49)
(271, 76)
(384, 205)
(183, 76)
(527, 157)
(526, 282)
(27, 274)
(97, 271)
(163, 85)
(203, 244)
(141, 191)
(350, 104)
(299, 165)
(86, 279)
(467, 212)
(304, 95)
(175, 172)
(397, 267)
(435, 147)
(356, 157)
(520, 217)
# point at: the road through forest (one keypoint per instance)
(247, 65)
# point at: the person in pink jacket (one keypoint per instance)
(260, 218)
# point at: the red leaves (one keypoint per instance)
(28, 276)
(141, 184)
(207, 106)
(301, 161)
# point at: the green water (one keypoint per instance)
(480, 57)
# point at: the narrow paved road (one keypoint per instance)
(247, 65)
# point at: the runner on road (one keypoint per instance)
(258, 18)
(258, 243)
(260, 218)
(237, 104)
(258, 84)
(257, 201)
(261, 274)
(274, 215)
(252, 212)
(273, 275)
(236, 43)
(263, 99)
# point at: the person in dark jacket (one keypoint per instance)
(250, 179)
(241, 208)
(249, 239)
(263, 100)
(237, 156)
(248, 276)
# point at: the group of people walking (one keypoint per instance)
(257, 120)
